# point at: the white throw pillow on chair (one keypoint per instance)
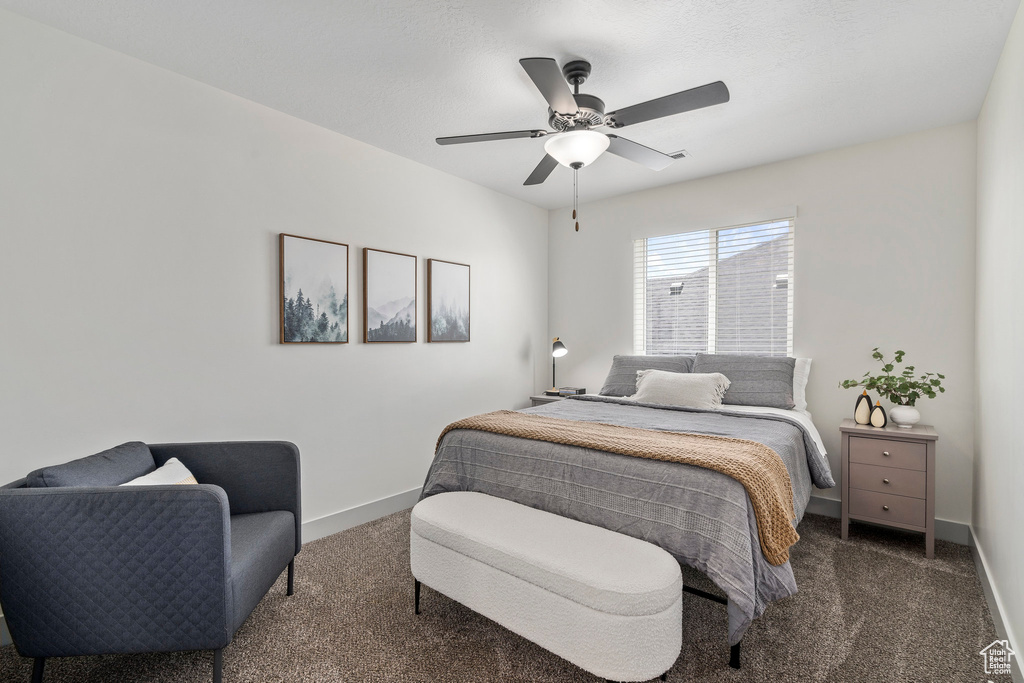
(171, 472)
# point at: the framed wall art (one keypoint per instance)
(314, 291)
(389, 296)
(447, 301)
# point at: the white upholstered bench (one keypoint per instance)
(609, 603)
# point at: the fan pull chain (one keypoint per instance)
(575, 196)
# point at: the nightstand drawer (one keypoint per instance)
(885, 453)
(887, 508)
(912, 483)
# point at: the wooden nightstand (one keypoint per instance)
(889, 478)
(541, 399)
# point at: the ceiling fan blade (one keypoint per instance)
(548, 78)
(687, 100)
(543, 170)
(634, 151)
(486, 137)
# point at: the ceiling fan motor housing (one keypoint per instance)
(590, 114)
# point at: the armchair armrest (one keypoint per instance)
(258, 476)
(115, 570)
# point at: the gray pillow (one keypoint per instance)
(108, 468)
(755, 380)
(621, 380)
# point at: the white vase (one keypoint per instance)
(904, 416)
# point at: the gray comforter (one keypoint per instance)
(700, 516)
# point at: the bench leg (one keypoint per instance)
(417, 597)
(218, 665)
(734, 656)
(291, 577)
(37, 669)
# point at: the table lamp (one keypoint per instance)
(557, 351)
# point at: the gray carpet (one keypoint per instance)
(870, 609)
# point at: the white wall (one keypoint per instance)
(884, 257)
(999, 465)
(139, 213)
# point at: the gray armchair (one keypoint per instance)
(90, 567)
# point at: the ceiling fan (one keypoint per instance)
(573, 116)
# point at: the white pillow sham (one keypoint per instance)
(686, 390)
(801, 371)
(171, 472)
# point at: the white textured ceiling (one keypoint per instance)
(804, 75)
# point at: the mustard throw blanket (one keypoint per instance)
(758, 468)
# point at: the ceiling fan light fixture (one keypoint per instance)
(574, 147)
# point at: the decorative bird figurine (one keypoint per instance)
(878, 418)
(862, 411)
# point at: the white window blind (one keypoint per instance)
(724, 290)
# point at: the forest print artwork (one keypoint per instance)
(447, 301)
(314, 291)
(389, 296)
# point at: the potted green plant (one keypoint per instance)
(901, 388)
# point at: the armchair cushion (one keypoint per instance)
(261, 543)
(107, 468)
(258, 476)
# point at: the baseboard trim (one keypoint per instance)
(995, 605)
(360, 514)
(324, 526)
(945, 530)
(826, 507)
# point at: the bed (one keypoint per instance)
(703, 518)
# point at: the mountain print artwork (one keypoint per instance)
(389, 296)
(314, 290)
(447, 301)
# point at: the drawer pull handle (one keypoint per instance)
(885, 453)
(885, 507)
(885, 481)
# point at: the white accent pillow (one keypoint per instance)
(801, 371)
(687, 390)
(171, 472)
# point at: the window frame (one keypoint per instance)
(640, 283)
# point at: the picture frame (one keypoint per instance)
(448, 301)
(389, 297)
(313, 298)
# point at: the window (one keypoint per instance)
(725, 290)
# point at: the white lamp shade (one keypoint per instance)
(576, 147)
